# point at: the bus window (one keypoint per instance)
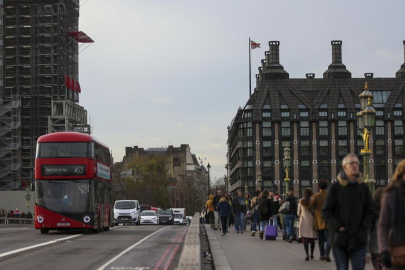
(63, 150)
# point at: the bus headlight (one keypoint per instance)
(40, 219)
(86, 219)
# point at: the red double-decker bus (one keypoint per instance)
(73, 183)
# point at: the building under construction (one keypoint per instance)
(40, 90)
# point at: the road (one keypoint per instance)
(122, 248)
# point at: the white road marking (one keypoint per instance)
(128, 249)
(38, 245)
(10, 229)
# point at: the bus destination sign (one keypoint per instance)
(63, 170)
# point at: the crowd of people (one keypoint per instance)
(344, 218)
(15, 214)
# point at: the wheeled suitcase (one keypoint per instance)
(270, 232)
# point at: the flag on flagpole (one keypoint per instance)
(254, 45)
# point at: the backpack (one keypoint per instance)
(263, 209)
(284, 208)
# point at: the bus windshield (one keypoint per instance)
(64, 196)
(125, 205)
(64, 150)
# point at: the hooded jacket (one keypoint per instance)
(348, 205)
(209, 205)
(293, 205)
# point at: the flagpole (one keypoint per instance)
(250, 71)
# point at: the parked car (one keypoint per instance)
(149, 217)
(127, 211)
(166, 216)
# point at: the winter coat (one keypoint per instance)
(224, 209)
(306, 223)
(238, 205)
(293, 205)
(390, 213)
(209, 205)
(316, 204)
(248, 202)
(215, 201)
(269, 204)
(348, 205)
(254, 204)
(372, 244)
(275, 205)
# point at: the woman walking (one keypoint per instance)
(316, 205)
(306, 224)
(291, 215)
(391, 223)
(265, 211)
(255, 208)
(248, 202)
(224, 209)
(372, 245)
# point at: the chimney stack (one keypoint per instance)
(257, 82)
(273, 68)
(274, 52)
(263, 64)
(401, 73)
(310, 75)
(368, 75)
(336, 51)
(337, 70)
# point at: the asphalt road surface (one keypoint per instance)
(122, 248)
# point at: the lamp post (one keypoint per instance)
(287, 165)
(28, 198)
(209, 180)
(259, 181)
(366, 122)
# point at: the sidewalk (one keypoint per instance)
(242, 251)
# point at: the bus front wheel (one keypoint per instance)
(44, 231)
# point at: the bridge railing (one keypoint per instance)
(190, 258)
(6, 220)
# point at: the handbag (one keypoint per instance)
(284, 208)
(249, 214)
(315, 227)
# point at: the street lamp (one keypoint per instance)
(209, 183)
(366, 122)
(28, 197)
(287, 165)
(259, 181)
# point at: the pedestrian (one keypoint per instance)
(215, 203)
(248, 202)
(10, 214)
(316, 204)
(210, 209)
(202, 216)
(291, 215)
(228, 199)
(306, 223)
(254, 206)
(265, 212)
(3, 213)
(17, 213)
(372, 245)
(224, 209)
(238, 208)
(348, 212)
(276, 207)
(391, 223)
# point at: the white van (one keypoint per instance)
(127, 211)
(179, 215)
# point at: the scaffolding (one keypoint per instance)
(68, 116)
(38, 55)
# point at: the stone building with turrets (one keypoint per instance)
(317, 119)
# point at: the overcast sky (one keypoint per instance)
(177, 71)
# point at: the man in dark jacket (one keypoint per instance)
(348, 212)
(239, 209)
(215, 203)
(291, 215)
(275, 207)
